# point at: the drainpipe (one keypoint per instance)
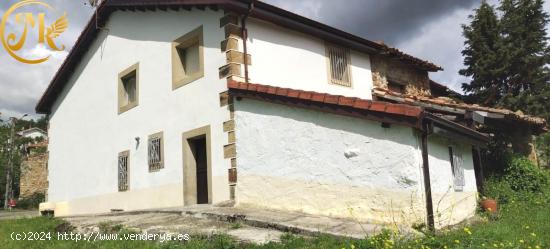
(426, 173)
(245, 38)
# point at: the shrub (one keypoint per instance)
(31, 202)
(499, 189)
(522, 175)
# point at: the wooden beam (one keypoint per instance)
(426, 175)
(478, 170)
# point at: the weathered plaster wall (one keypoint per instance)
(451, 206)
(34, 175)
(164, 196)
(417, 82)
(83, 165)
(302, 160)
(285, 58)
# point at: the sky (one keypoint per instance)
(428, 29)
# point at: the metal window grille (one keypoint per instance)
(339, 65)
(457, 166)
(123, 171)
(155, 154)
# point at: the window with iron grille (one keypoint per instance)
(338, 59)
(156, 152)
(123, 164)
(457, 166)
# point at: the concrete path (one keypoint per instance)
(17, 214)
(244, 224)
(293, 222)
(165, 222)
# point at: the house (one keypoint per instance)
(33, 133)
(237, 102)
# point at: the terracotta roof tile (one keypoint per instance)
(378, 106)
(451, 103)
(272, 90)
(293, 93)
(362, 104)
(305, 95)
(329, 99)
(318, 97)
(282, 91)
(262, 88)
(346, 101)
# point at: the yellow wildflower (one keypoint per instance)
(457, 241)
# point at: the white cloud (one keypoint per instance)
(21, 85)
(41, 51)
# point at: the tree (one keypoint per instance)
(481, 56)
(5, 128)
(508, 59)
(527, 55)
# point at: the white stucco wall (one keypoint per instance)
(295, 159)
(286, 58)
(83, 165)
(450, 206)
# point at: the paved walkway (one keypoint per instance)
(17, 214)
(244, 224)
(154, 222)
(293, 222)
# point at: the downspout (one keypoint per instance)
(245, 38)
(425, 131)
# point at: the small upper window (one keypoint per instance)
(455, 157)
(187, 58)
(156, 152)
(338, 59)
(128, 89)
(396, 87)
